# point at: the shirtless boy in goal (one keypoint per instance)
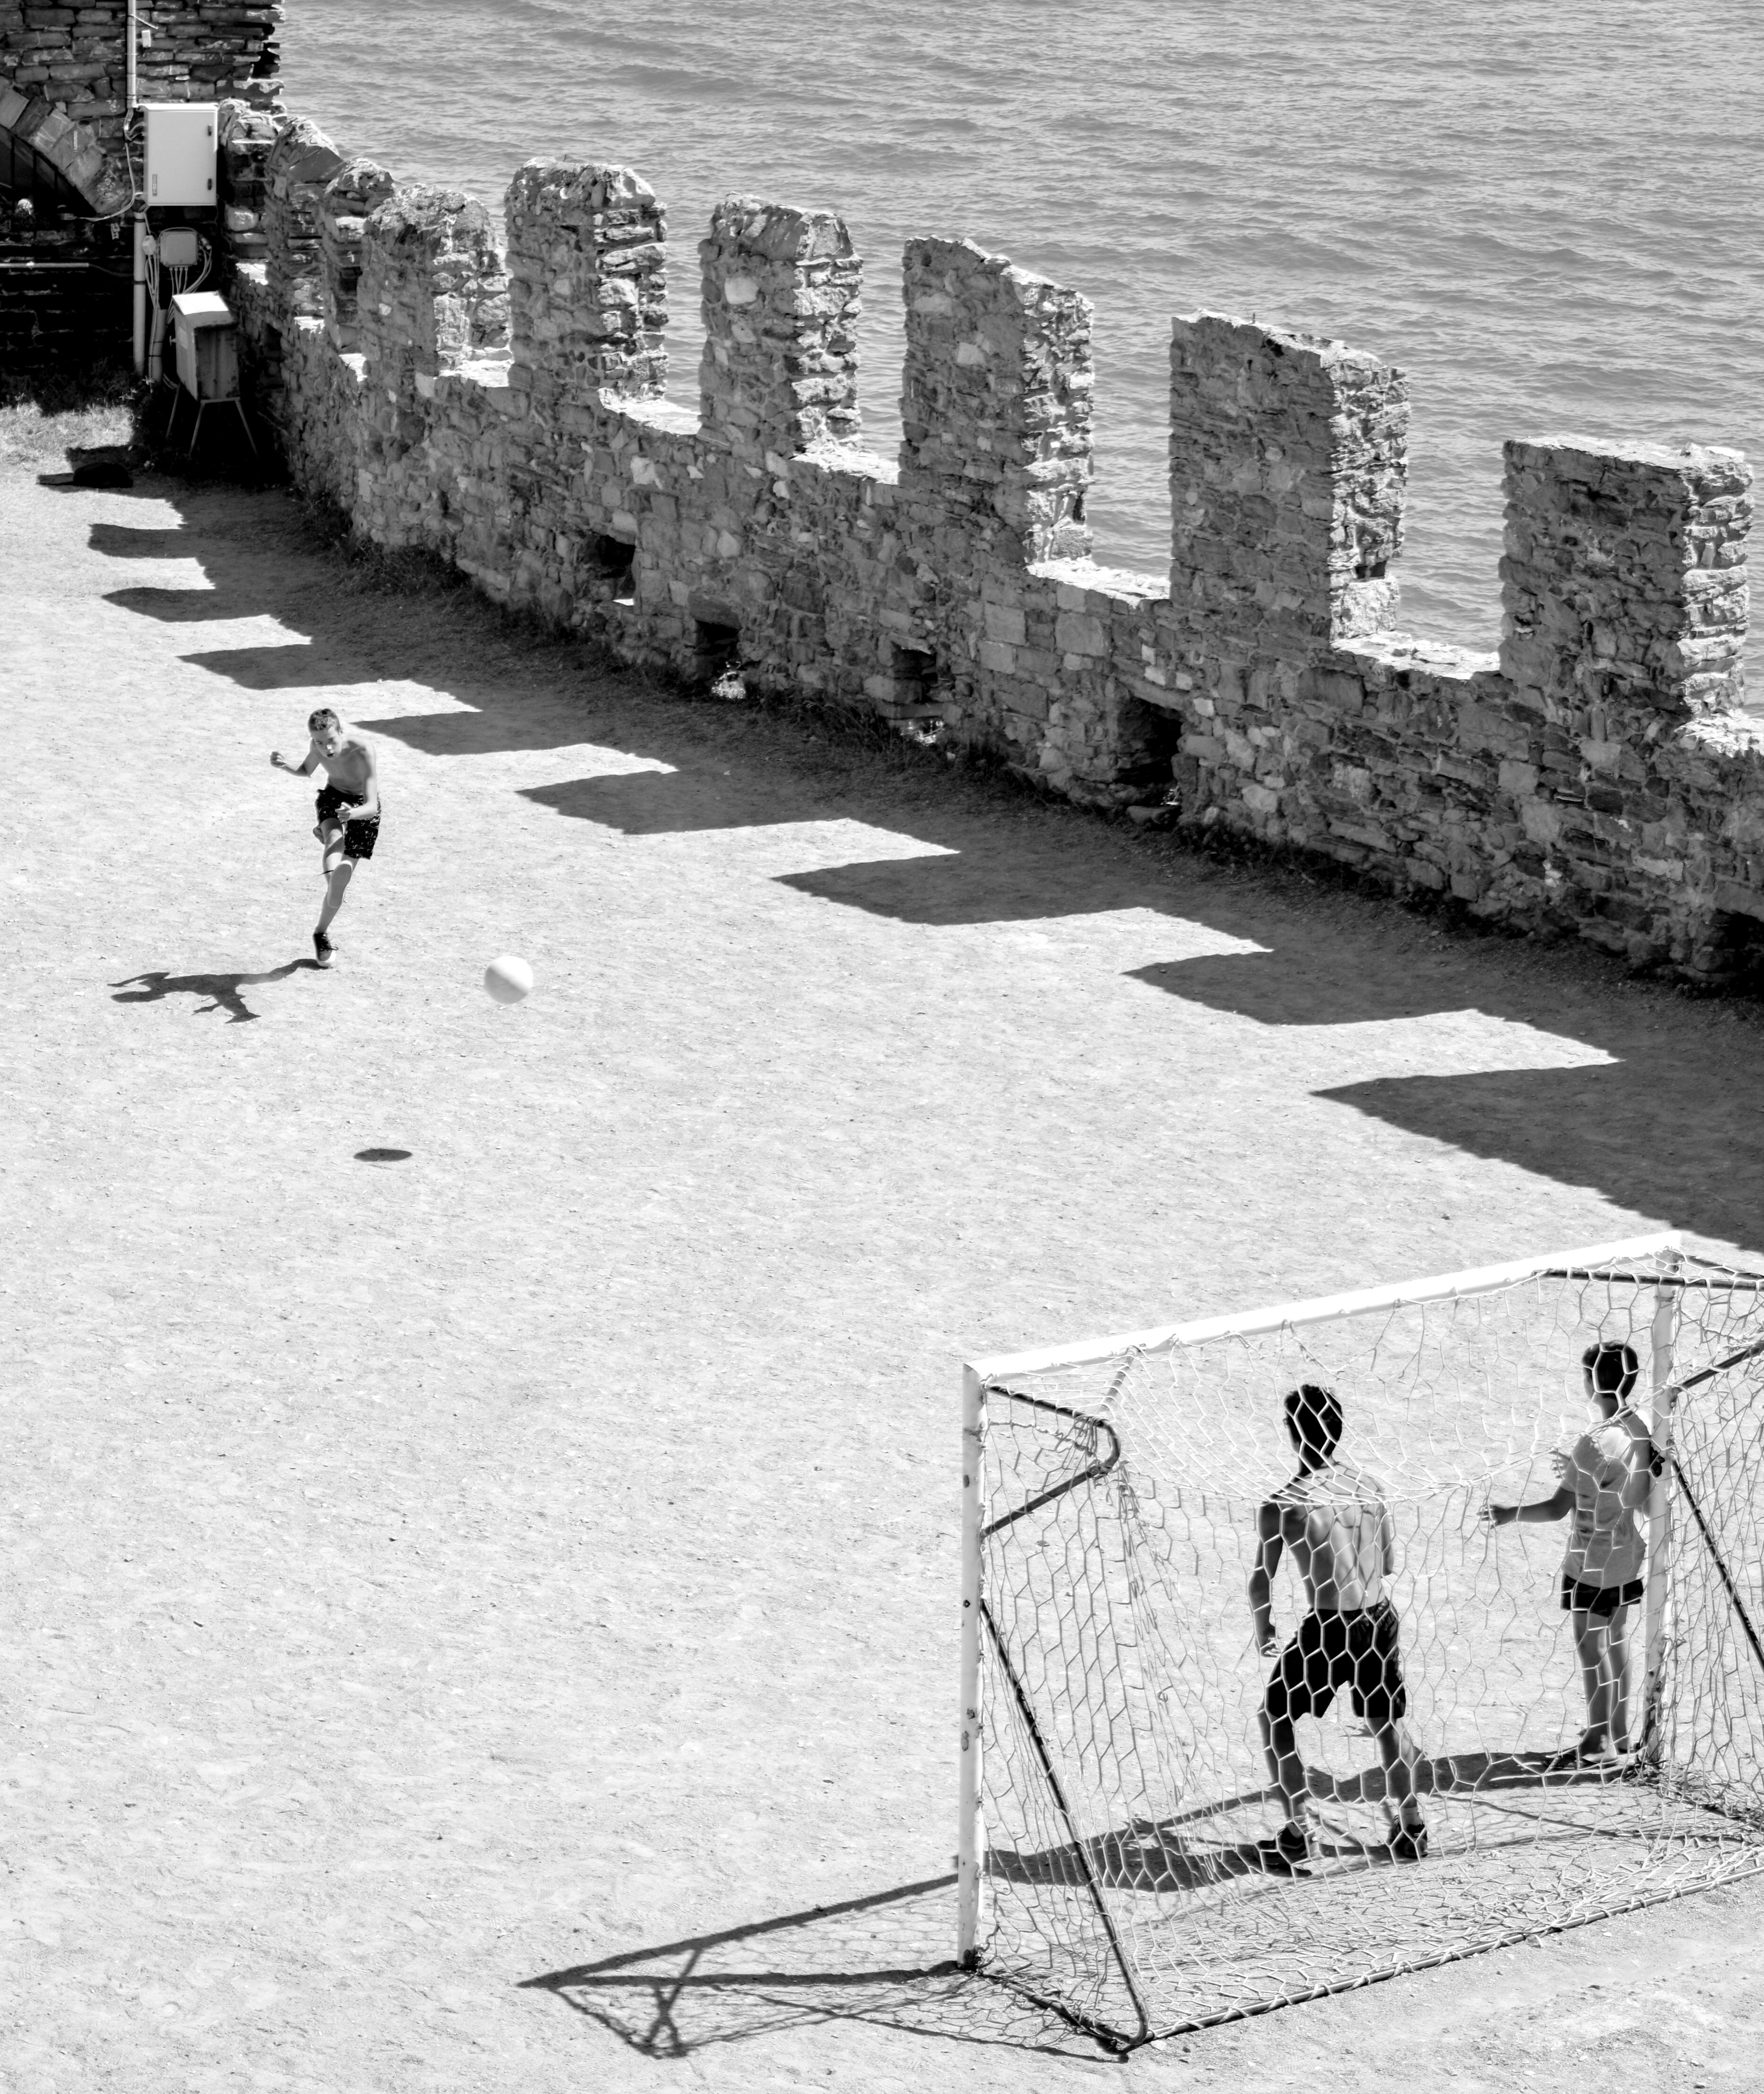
(349, 811)
(1333, 1518)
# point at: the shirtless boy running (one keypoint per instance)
(349, 811)
(1333, 1518)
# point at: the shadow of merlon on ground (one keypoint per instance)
(1659, 1140)
(985, 883)
(134, 541)
(483, 732)
(1300, 986)
(183, 607)
(660, 803)
(293, 665)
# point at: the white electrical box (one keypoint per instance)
(180, 152)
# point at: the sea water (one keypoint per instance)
(1547, 211)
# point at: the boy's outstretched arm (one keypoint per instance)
(298, 770)
(1557, 1505)
(1270, 1543)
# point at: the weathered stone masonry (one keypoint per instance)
(504, 409)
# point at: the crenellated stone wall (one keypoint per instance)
(1594, 778)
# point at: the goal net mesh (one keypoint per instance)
(1125, 1798)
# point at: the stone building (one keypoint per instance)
(67, 172)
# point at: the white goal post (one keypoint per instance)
(1116, 1822)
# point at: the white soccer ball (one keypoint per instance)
(508, 979)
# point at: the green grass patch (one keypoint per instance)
(46, 417)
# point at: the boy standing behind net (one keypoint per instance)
(1604, 1482)
(1332, 1517)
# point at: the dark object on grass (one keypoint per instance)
(95, 472)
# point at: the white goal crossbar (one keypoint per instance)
(1290, 1315)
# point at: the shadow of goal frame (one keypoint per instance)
(1113, 1859)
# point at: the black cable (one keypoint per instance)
(1059, 1490)
(1708, 1543)
(1092, 1883)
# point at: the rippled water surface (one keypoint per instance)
(1550, 213)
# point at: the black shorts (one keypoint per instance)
(1601, 1600)
(1358, 1651)
(358, 837)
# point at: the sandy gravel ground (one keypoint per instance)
(433, 1589)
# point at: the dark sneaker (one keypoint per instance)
(1409, 1842)
(1594, 1751)
(322, 948)
(1288, 1850)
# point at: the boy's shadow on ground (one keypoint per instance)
(224, 992)
(1192, 1853)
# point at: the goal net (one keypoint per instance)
(1122, 1858)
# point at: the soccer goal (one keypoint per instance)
(1120, 1856)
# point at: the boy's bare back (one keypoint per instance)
(1334, 1521)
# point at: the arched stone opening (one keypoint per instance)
(74, 155)
(34, 190)
(63, 261)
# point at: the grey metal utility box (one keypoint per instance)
(207, 339)
(181, 149)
